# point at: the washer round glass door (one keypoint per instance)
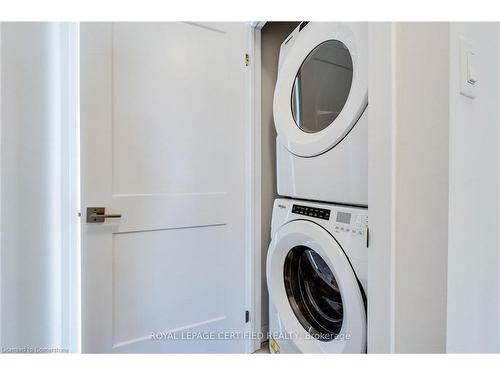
(313, 293)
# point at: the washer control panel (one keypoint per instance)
(354, 224)
(320, 213)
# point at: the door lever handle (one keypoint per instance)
(98, 215)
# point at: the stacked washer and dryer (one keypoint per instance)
(317, 260)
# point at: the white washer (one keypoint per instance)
(320, 103)
(316, 275)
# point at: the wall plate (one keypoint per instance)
(468, 69)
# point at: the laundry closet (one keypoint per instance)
(313, 129)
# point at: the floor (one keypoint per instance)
(264, 349)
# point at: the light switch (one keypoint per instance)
(471, 68)
(468, 69)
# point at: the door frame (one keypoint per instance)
(253, 186)
(65, 287)
(1, 185)
(72, 279)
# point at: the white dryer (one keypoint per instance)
(320, 113)
(317, 277)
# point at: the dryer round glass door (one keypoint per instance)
(321, 86)
(313, 293)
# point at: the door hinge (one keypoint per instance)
(247, 59)
(247, 316)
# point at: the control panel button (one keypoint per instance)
(320, 213)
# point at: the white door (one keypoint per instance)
(163, 140)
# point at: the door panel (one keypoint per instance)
(138, 310)
(163, 139)
(182, 101)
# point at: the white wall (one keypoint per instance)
(434, 280)
(381, 139)
(474, 253)
(421, 213)
(33, 242)
(408, 190)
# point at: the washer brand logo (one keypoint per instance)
(281, 206)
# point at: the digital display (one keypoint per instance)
(344, 217)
